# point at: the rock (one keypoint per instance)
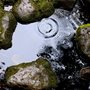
(85, 12)
(27, 11)
(7, 27)
(36, 75)
(66, 4)
(85, 73)
(83, 39)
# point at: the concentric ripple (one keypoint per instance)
(48, 27)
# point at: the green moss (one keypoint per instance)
(84, 26)
(10, 71)
(6, 35)
(52, 77)
(43, 9)
(9, 2)
(48, 71)
(1, 12)
(13, 69)
(78, 32)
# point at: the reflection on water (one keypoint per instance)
(30, 40)
(26, 43)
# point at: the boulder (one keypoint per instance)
(28, 11)
(83, 40)
(36, 75)
(85, 73)
(7, 27)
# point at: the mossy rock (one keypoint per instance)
(83, 40)
(36, 75)
(7, 27)
(28, 11)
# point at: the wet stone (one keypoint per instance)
(28, 11)
(36, 75)
(7, 27)
(83, 40)
(85, 73)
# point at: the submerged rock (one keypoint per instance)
(36, 75)
(66, 4)
(27, 11)
(85, 73)
(7, 27)
(83, 39)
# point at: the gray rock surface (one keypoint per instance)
(36, 75)
(83, 39)
(66, 4)
(27, 11)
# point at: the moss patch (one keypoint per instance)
(52, 82)
(6, 32)
(42, 9)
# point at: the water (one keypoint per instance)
(67, 23)
(30, 40)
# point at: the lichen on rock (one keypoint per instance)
(27, 11)
(83, 39)
(7, 27)
(36, 75)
